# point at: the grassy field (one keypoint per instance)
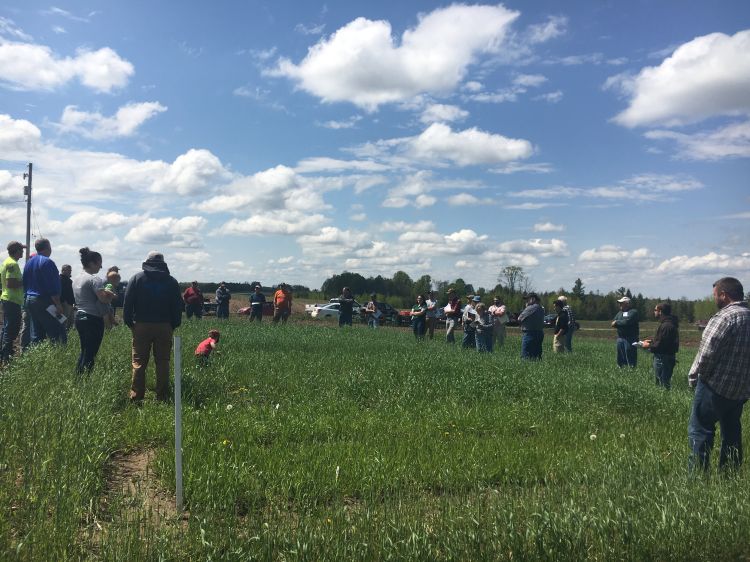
(307, 442)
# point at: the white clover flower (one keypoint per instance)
(592, 436)
(229, 407)
(622, 436)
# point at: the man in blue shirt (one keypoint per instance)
(41, 281)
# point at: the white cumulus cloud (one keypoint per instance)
(467, 148)
(94, 125)
(362, 62)
(27, 66)
(712, 262)
(442, 113)
(193, 172)
(548, 227)
(170, 231)
(18, 136)
(705, 77)
(611, 253)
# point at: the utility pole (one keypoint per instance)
(27, 193)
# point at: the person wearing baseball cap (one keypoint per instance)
(11, 284)
(626, 324)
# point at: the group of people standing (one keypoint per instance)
(153, 305)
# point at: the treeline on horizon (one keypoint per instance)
(400, 291)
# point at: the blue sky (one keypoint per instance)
(287, 141)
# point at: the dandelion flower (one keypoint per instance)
(592, 436)
(229, 407)
(226, 442)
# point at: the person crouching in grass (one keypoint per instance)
(204, 349)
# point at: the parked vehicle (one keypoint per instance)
(404, 317)
(549, 320)
(356, 308)
(389, 313)
(209, 307)
(267, 309)
(324, 311)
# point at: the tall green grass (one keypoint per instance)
(314, 443)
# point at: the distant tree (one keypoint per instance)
(402, 284)
(704, 309)
(578, 289)
(513, 278)
(459, 285)
(527, 286)
(621, 291)
(422, 285)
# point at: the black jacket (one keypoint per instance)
(667, 338)
(153, 296)
(66, 290)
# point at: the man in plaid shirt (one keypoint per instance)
(721, 377)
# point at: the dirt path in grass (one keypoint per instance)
(132, 485)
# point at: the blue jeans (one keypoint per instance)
(418, 326)
(663, 367)
(531, 344)
(709, 408)
(44, 325)
(11, 328)
(373, 322)
(90, 332)
(627, 353)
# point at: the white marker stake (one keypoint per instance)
(178, 420)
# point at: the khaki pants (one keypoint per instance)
(146, 336)
(558, 343)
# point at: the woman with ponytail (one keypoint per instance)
(92, 305)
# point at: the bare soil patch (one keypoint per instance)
(133, 492)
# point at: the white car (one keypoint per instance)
(326, 311)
